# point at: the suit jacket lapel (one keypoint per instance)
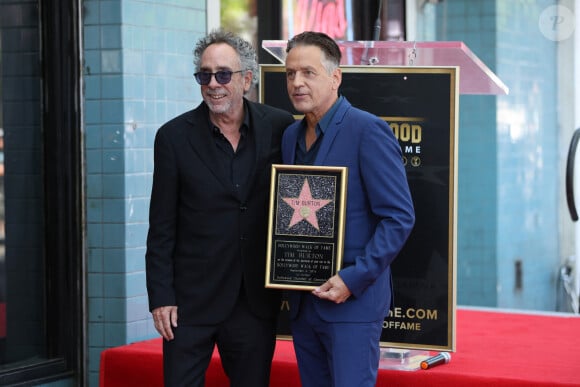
(262, 138)
(201, 140)
(289, 151)
(262, 131)
(331, 132)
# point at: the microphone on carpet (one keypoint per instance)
(441, 358)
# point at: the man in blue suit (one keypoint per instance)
(337, 327)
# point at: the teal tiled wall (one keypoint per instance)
(528, 136)
(137, 75)
(507, 171)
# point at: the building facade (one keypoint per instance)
(85, 84)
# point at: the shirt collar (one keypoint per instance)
(321, 126)
(244, 128)
(325, 121)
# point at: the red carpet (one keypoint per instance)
(493, 348)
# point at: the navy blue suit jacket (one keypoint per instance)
(379, 210)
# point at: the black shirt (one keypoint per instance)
(240, 162)
(307, 157)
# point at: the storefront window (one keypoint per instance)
(345, 19)
(21, 220)
(40, 257)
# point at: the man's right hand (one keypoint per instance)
(165, 317)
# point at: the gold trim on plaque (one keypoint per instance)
(305, 231)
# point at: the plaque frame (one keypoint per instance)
(305, 234)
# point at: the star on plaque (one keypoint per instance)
(305, 206)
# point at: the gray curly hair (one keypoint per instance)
(245, 50)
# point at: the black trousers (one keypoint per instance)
(245, 343)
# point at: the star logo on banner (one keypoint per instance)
(305, 206)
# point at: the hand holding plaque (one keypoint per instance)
(306, 225)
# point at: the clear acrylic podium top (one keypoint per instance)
(474, 76)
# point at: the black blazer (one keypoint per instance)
(205, 239)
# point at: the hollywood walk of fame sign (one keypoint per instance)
(306, 225)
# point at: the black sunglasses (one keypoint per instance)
(222, 77)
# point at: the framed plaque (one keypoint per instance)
(306, 225)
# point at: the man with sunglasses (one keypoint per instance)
(206, 245)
